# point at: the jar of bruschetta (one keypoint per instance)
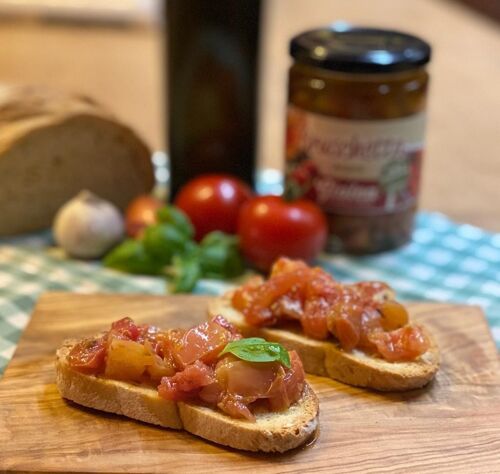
(355, 131)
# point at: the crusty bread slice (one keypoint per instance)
(328, 359)
(53, 145)
(272, 431)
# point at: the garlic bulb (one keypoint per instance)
(88, 226)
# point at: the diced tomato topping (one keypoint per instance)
(249, 380)
(295, 378)
(288, 307)
(160, 367)
(204, 342)
(322, 285)
(223, 322)
(394, 315)
(345, 322)
(287, 265)
(126, 359)
(370, 290)
(234, 406)
(185, 365)
(352, 313)
(242, 296)
(187, 383)
(125, 329)
(211, 394)
(88, 356)
(287, 388)
(243, 383)
(259, 312)
(402, 344)
(370, 323)
(156, 339)
(314, 319)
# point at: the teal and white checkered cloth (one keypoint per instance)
(445, 262)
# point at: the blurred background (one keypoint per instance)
(363, 168)
(113, 52)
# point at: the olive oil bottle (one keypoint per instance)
(212, 61)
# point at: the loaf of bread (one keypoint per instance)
(53, 145)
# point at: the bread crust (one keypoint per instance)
(326, 358)
(271, 432)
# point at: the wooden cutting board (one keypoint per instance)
(453, 425)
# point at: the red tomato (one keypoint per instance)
(88, 356)
(140, 213)
(270, 227)
(213, 202)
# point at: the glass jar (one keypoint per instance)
(355, 130)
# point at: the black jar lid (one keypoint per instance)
(360, 50)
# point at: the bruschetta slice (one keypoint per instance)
(357, 334)
(207, 380)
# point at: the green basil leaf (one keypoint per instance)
(131, 257)
(256, 349)
(163, 241)
(220, 256)
(218, 237)
(185, 273)
(174, 216)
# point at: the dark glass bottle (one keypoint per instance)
(212, 59)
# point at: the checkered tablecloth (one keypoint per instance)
(445, 262)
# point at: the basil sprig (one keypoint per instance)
(256, 349)
(167, 248)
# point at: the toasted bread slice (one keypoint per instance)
(328, 359)
(272, 431)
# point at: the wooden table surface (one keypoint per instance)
(122, 68)
(450, 426)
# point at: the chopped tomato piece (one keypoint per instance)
(125, 329)
(160, 368)
(347, 332)
(287, 265)
(368, 290)
(211, 394)
(187, 383)
(156, 339)
(250, 380)
(242, 296)
(234, 406)
(127, 360)
(321, 284)
(258, 313)
(371, 322)
(203, 342)
(287, 388)
(345, 323)
(223, 322)
(394, 315)
(295, 378)
(315, 318)
(288, 307)
(404, 344)
(88, 356)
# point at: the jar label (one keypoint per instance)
(354, 167)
